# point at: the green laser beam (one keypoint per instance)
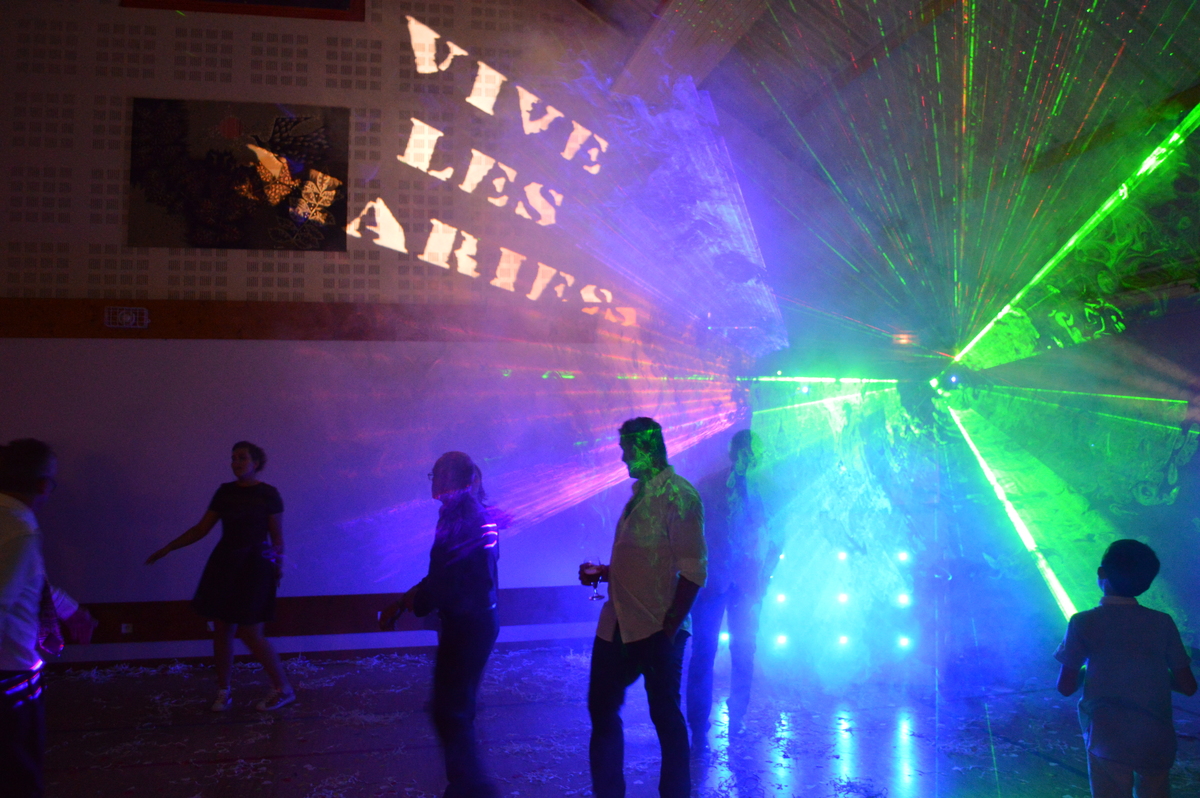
(1093, 395)
(826, 400)
(1152, 162)
(1060, 594)
(1101, 413)
(815, 380)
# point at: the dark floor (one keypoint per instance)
(358, 729)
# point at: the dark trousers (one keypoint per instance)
(615, 666)
(464, 645)
(743, 613)
(22, 734)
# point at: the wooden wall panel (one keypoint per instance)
(290, 321)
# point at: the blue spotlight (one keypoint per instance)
(903, 599)
(843, 640)
(781, 640)
(842, 555)
(724, 637)
(781, 598)
(902, 556)
(904, 641)
(843, 597)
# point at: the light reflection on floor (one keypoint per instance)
(903, 780)
(359, 729)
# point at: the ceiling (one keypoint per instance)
(909, 165)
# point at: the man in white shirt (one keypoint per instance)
(27, 471)
(658, 565)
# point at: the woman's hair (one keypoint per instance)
(744, 439)
(462, 473)
(23, 464)
(256, 454)
(646, 434)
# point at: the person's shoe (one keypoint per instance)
(275, 699)
(224, 700)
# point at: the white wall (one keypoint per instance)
(143, 430)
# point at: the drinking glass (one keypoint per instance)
(592, 566)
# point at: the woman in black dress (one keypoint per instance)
(461, 586)
(237, 589)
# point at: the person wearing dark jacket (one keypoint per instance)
(461, 586)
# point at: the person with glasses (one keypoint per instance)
(461, 585)
(237, 588)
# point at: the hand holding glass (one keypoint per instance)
(591, 573)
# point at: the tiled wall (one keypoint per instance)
(70, 72)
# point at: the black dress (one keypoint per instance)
(238, 583)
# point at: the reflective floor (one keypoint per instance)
(359, 729)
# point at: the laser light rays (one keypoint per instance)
(1148, 166)
(1060, 594)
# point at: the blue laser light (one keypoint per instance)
(904, 641)
(781, 598)
(903, 599)
(842, 555)
(724, 637)
(843, 640)
(843, 597)
(781, 640)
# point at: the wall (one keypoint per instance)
(491, 318)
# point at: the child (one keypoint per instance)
(1134, 659)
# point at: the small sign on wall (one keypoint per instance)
(126, 318)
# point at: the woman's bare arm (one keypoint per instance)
(189, 537)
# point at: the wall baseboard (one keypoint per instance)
(328, 645)
(123, 623)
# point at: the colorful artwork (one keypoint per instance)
(238, 175)
(346, 10)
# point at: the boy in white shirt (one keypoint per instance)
(1134, 659)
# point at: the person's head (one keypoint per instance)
(743, 451)
(454, 473)
(1127, 568)
(247, 460)
(27, 471)
(643, 450)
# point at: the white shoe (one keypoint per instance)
(275, 699)
(224, 700)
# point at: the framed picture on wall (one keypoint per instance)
(231, 175)
(344, 10)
